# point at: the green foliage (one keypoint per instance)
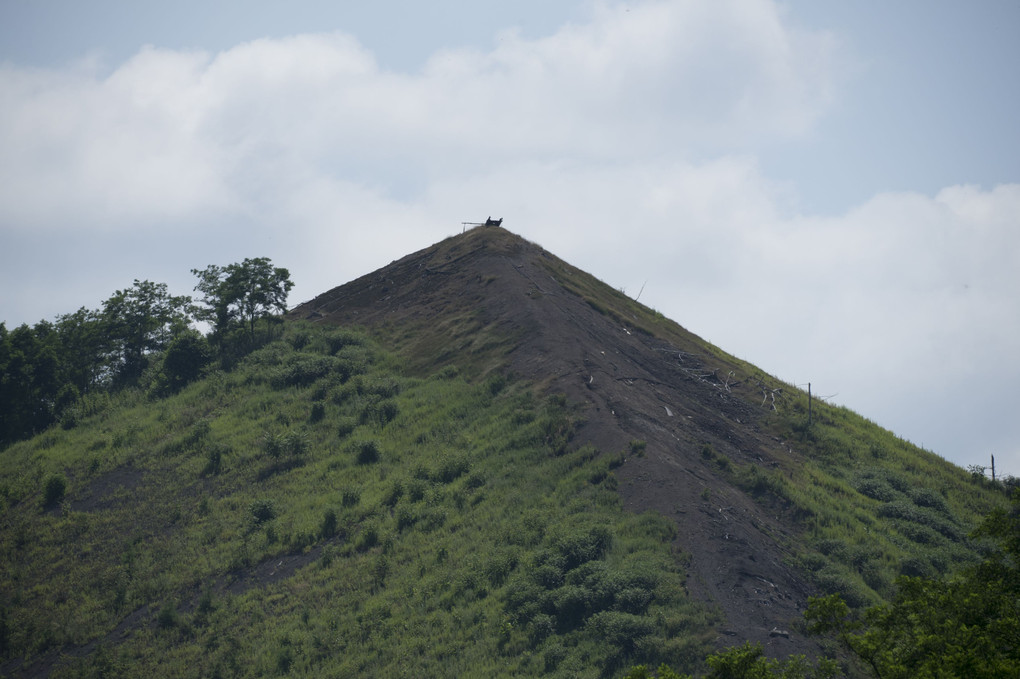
(368, 452)
(261, 511)
(53, 491)
(186, 357)
(434, 527)
(962, 626)
(240, 295)
(749, 662)
(142, 320)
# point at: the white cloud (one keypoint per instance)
(173, 134)
(626, 145)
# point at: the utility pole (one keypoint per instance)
(809, 404)
(993, 467)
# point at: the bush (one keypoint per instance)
(327, 528)
(622, 630)
(214, 460)
(167, 618)
(405, 518)
(185, 358)
(368, 452)
(393, 495)
(368, 538)
(53, 491)
(261, 511)
(582, 546)
(540, 628)
(876, 489)
(926, 497)
(346, 427)
(924, 516)
(450, 468)
(303, 370)
(342, 338)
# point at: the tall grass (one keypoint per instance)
(316, 512)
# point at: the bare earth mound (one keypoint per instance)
(490, 301)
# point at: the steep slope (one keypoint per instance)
(458, 489)
(757, 491)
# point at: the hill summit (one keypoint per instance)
(687, 414)
(475, 461)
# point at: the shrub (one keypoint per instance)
(622, 630)
(346, 427)
(167, 618)
(368, 538)
(584, 545)
(926, 497)
(262, 510)
(53, 491)
(495, 384)
(393, 495)
(451, 467)
(876, 489)
(633, 600)
(500, 565)
(327, 528)
(921, 515)
(185, 358)
(381, 411)
(342, 338)
(540, 628)
(571, 604)
(214, 460)
(833, 580)
(368, 452)
(405, 518)
(554, 654)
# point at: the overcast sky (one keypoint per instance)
(830, 190)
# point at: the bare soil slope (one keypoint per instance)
(488, 301)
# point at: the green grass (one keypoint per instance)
(434, 527)
(867, 505)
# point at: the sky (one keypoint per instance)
(829, 190)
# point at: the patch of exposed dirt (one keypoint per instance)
(453, 302)
(108, 490)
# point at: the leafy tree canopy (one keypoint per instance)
(142, 320)
(241, 294)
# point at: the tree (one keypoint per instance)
(239, 295)
(29, 379)
(964, 626)
(140, 321)
(84, 349)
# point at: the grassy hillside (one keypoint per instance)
(315, 513)
(394, 502)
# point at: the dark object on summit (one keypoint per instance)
(494, 222)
